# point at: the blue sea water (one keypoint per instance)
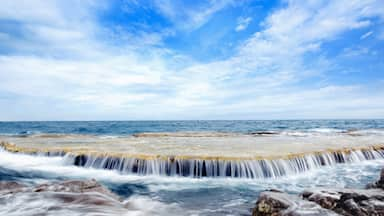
(180, 195)
(132, 127)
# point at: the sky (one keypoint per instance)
(168, 60)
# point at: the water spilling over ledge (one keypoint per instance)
(204, 154)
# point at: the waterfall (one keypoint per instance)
(211, 167)
(235, 168)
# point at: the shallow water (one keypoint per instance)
(159, 195)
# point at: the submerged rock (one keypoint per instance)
(324, 201)
(76, 186)
(9, 187)
(59, 198)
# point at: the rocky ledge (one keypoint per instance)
(324, 201)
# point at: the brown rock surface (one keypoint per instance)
(76, 186)
(324, 201)
(351, 202)
(277, 203)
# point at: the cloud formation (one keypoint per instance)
(62, 61)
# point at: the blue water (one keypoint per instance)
(132, 127)
(186, 196)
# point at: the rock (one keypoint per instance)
(379, 183)
(7, 187)
(70, 187)
(76, 186)
(59, 198)
(353, 202)
(324, 201)
(273, 203)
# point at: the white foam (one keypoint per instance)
(55, 167)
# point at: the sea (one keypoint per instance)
(180, 195)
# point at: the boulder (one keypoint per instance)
(351, 202)
(324, 201)
(76, 186)
(274, 203)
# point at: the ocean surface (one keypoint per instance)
(173, 195)
(122, 128)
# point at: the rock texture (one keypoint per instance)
(324, 201)
(279, 203)
(351, 202)
(76, 186)
(10, 187)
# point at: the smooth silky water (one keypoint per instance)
(168, 193)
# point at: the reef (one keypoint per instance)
(324, 201)
(235, 167)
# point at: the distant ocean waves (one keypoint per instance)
(134, 127)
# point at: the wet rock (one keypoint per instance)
(7, 187)
(69, 187)
(75, 186)
(274, 203)
(379, 183)
(351, 202)
(59, 198)
(324, 201)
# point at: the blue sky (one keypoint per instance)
(219, 59)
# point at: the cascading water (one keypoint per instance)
(263, 168)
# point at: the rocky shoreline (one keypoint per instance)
(88, 196)
(324, 201)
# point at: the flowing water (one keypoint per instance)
(188, 186)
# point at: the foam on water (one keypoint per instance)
(203, 196)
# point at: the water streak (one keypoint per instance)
(263, 168)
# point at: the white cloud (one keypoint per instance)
(65, 71)
(242, 23)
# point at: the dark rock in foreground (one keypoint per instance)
(279, 203)
(352, 202)
(379, 183)
(324, 201)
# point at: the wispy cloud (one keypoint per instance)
(242, 23)
(190, 16)
(366, 35)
